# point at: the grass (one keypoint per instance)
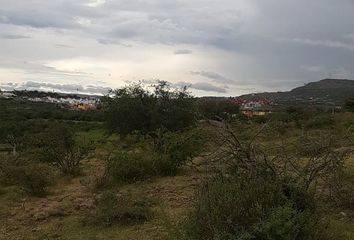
(9, 195)
(72, 229)
(341, 227)
(174, 196)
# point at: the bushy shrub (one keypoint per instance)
(35, 178)
(349, 104)
(245, 208)
(173, 150)
(320, 122)
(162, 155)
(286, 223)
(261, 194)
(112, 208)
(58, 146)
(130, 166)
(32, 177)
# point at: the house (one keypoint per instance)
(256, 107)
(7, 95)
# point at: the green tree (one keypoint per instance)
(135, 109)
(218, 109)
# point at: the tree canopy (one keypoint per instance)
(135, 109)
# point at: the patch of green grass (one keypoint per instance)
(9, 195)
(340, 227)
(92, 135)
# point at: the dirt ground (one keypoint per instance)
(59, 215)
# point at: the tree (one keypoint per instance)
(218, 109)
(135, 109)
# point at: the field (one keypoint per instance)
(67, 209)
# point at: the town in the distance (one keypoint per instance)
(327, 93)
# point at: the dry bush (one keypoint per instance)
(261, 189)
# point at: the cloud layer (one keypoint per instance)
(63, 88)
(217, 46)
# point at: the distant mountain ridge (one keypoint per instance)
(326, 91)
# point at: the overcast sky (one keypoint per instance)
(219, 47)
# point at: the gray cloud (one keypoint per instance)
(208, 87)
(13, 36)
(213, 76)
(65, 88)
(183, 51)
(112, 41)
(325, 43)
(268, 44)
(63, 46)
(203, 86)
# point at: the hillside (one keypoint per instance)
(326, 91)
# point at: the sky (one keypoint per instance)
(217, 47)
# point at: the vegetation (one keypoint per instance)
(272, 194)
(349, 104)
(58, 146)
(157, 163)
(136, 110)
(217, 109)
(162, 155)
(261, 209)
(33, 178)
(111, 208)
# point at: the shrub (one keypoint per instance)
(320, 122)
(175, 149)
(245, 208)
(349, 104)
(261, 194)
(129, 167)
(285, 223)
(35, 178)
(58, 146)
(111, 208)
(162, 155)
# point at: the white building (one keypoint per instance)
(7, 95)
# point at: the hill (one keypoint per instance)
(326, 91)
